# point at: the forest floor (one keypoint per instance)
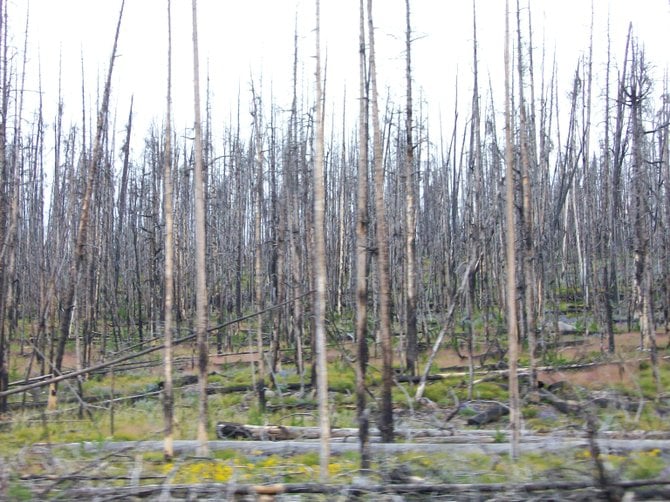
(444, 450)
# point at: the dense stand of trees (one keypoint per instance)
(588, 223)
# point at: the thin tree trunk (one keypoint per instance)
(200, 264)
(362, 254)
(168, 397)
(320, 264)
(294, 225)
(410, 211)
(258, 249)
(606, 242)
(637, 93)
(386, 407)
(512, 325)
(527, 212)
(474, 220)
(9, 242)
(4, 98)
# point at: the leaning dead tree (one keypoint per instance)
(78, 262)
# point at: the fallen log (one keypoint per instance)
(567, 406)
(572, 404)
(149, 350)
(359, 486)
(234, 430)
(491, 414)
(438, 435)
(294, 447)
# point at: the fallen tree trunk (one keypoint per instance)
(491, 414)
(487, 446)
(573, 405)
(234, 430)
(232, 489)
(149, 350)
(569, 406)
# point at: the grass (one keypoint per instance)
(142, 419)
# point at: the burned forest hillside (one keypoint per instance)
(305, 293)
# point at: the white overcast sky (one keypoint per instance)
(243, 38)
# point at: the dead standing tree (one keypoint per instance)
(6, 190)
(320, 265)
(664, 155)
(512, 325)
(473, 217)
(528, 248)
(410, 210)
(362, 252)
(605, 256)
(386, 408)
(295, 242)
(637, 93)
(168, 398)
(200, 241)
(258, 238)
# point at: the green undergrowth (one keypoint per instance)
(141, 419)
(231, 466)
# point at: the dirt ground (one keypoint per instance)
(627, 350)
(627, 345)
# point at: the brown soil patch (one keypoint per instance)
(601, 375)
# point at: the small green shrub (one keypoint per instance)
(529, 412)
(438, 392)
(645, 464)
(18, 492)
